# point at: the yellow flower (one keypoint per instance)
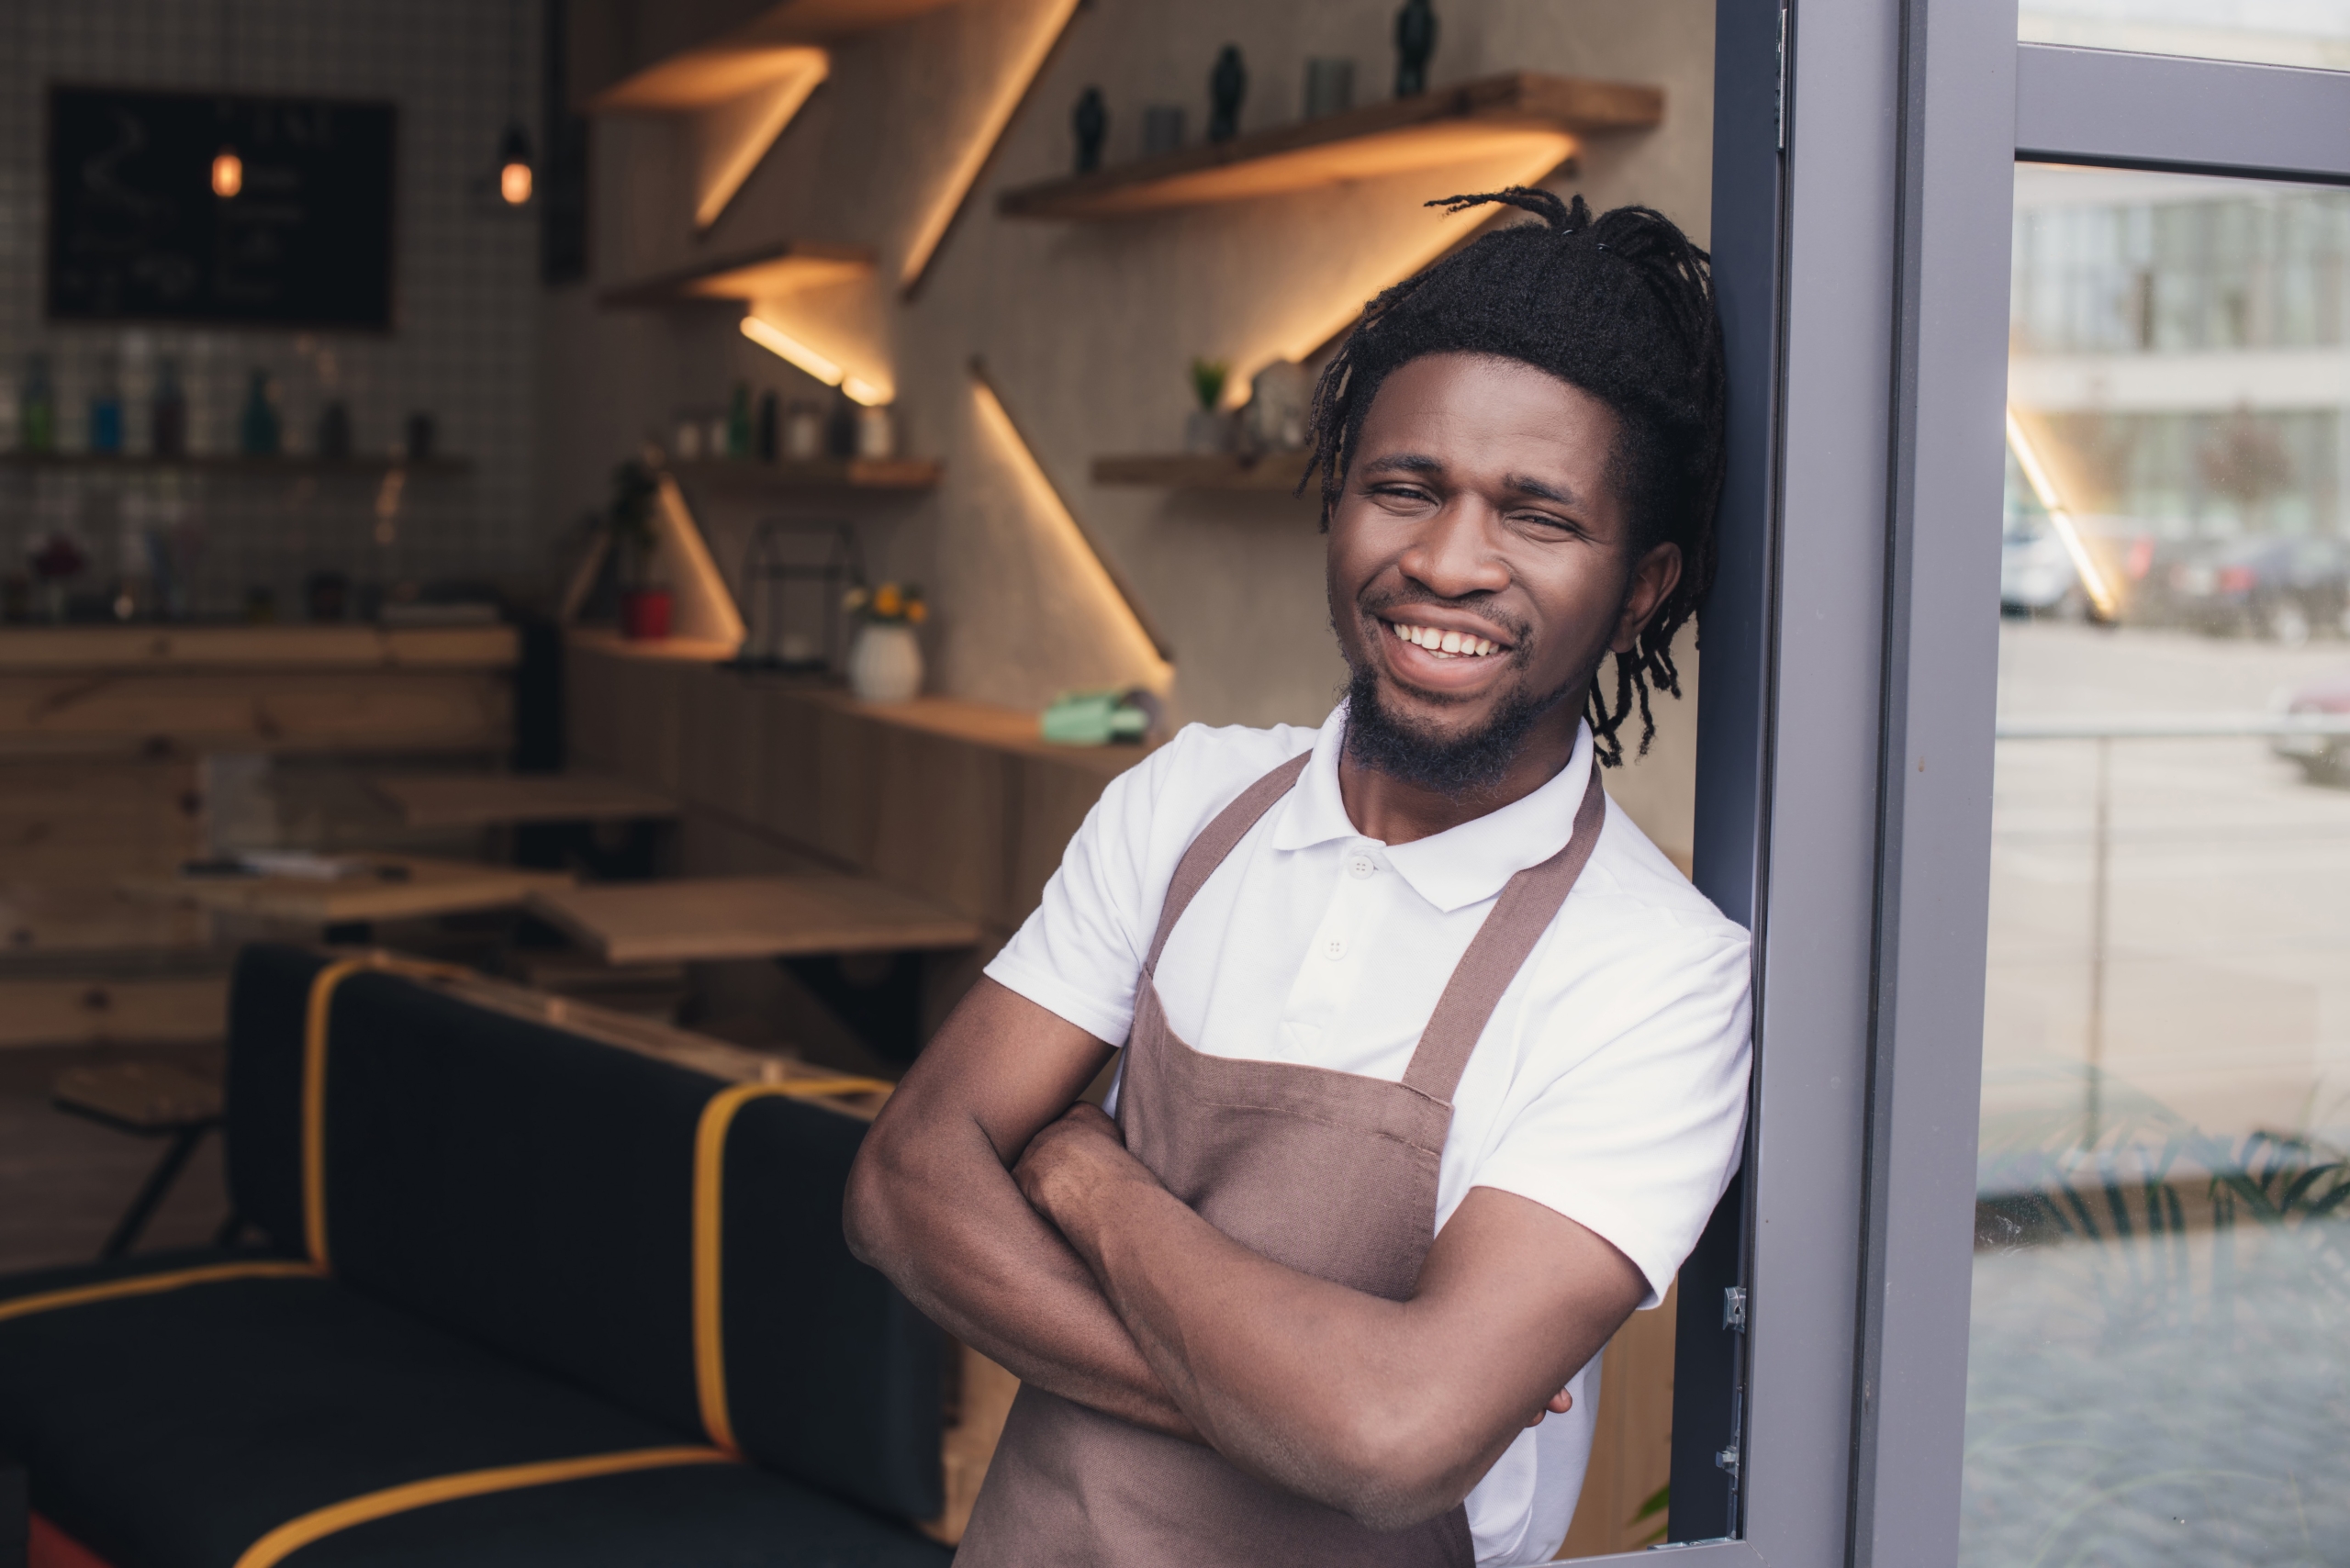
(886, 600)
(917, 611)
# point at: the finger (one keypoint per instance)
(1560, 1402)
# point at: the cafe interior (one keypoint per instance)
(568, 570)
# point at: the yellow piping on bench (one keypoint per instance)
(297, 1533)
(709, 1182)
(314, 1079)
(148, 1284)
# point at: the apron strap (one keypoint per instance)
(1217, 840)
(1519, 916)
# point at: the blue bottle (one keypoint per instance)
(105, 410)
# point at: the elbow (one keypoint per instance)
(1391, 1473)
(868, 1214)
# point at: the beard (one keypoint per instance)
(1451, 766)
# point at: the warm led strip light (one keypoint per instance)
(785, 346)
(1045, 496)
(980, 144)
(2093, 581)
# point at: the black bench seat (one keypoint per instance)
(178, 1428)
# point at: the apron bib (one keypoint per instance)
(1330, 1173)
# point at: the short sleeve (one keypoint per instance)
(1639, 1138)
(1080, 953)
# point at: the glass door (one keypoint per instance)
(2159, 1358)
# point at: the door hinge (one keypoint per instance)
(1779, 97)
(1728, 1460)
(1734, 1308)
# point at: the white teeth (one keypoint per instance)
(1446, 644)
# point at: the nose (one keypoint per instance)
(1452, 554)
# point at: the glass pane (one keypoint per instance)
(2160, 1359)
(2314, 33)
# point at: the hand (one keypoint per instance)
(1560, 1402)
(1072, 1160)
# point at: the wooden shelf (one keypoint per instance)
(819, 473)
(1491, 116)
(1274, 472)
(755, 275)
(235, 463)
(676, 74)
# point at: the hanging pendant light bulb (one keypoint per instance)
(514, 165)
(228, 169)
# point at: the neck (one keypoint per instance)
(1385, 808)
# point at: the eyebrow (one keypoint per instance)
(1521, 484)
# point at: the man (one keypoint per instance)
(1402, 1130)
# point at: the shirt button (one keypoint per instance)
(1361, 866)
(1335, 948)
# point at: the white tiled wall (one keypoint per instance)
(465, 285)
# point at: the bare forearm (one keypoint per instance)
(937, 1212)
(1327, 1391)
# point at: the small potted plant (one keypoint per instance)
(1208, 430)
(885, 661)
(644, 605)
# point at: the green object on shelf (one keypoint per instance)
(1115, 714)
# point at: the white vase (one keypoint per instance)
(884, 663)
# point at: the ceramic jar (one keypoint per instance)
(885, 664)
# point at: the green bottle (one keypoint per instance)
(257, 429)
(38, 412)
(738, 422)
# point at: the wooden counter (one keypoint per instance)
(147, 689)
(961, 801)
(103, 735)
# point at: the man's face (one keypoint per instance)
(1480, 560)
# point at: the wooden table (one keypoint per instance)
(402, 886)
(445, 799)
(713, 918)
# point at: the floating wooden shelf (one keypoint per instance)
(1491, 116)
(776, 270)
(739, 61)
(817, 474)
(1275, 472)
(234, 463)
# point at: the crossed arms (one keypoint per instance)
(1025, 1229)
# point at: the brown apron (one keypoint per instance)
(1330, 1173)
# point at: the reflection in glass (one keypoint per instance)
(2312, 33)
(2159, 1369)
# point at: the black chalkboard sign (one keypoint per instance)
(135, 233)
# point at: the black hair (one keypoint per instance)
(1621, 307)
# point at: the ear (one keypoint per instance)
(1654, 576)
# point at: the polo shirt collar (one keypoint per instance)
(1460, 866)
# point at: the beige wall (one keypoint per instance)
(1086, 329)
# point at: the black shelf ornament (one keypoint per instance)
(1414, 42)
(1091, 120)
(1227, 85)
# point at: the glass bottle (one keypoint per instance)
(37, 410)
(257, 427)
(738, 422)
(167, 417)
(105, 408)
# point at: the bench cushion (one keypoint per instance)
(532, 1189)
(175, 1429)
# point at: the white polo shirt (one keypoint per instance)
(1609, 1085)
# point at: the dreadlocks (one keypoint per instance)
(1621, 307)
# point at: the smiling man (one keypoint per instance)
(1433, 1066)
